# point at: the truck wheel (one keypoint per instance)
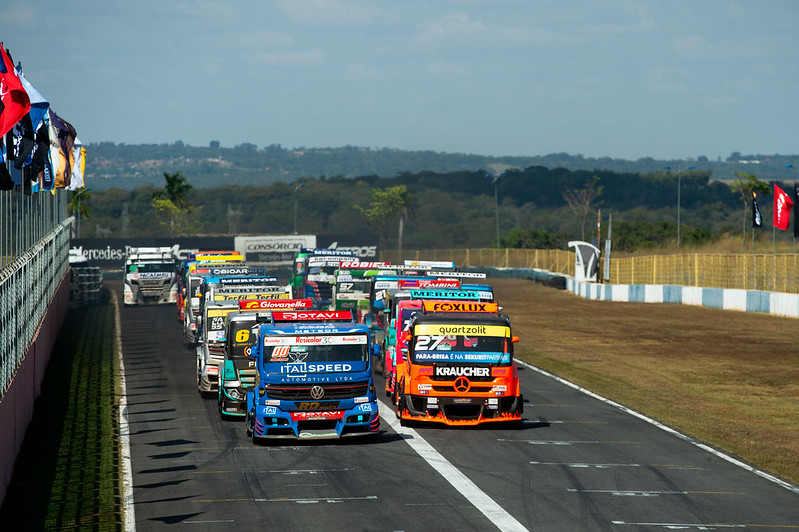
(400, 407)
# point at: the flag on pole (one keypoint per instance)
(782, 208)
(757, 221)
(16, 103)
(796, 212)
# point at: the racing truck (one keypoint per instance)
(211, 329)
(314, 378)
(314, 274)
(460, 368)
(237, 371)
(149, 276)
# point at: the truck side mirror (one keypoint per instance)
(375, 350)
(514, 339)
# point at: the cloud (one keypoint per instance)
(455, 27)
(289, 58)
(662, 79)
(20, 15)
(334, 13)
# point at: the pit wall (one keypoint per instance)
(776, 303)
(16, 406)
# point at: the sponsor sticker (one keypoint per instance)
(462, 371)
(310, 315)
(365, 407)
(270, 340)
(499, 388)
(455, 306)
(463, 330)
(301, 368)
(271, 411)
(317, 416)
(445, 294)
(268, 304)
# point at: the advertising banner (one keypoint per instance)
(272, 250)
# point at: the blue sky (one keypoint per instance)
(618, 78)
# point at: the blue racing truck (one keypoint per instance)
(314, 377)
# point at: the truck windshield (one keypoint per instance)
(151, 267)
(241, 340)
(327, 348)
(353, 289)
(477, 348)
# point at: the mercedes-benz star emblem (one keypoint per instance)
(462, 384)
(317, 392)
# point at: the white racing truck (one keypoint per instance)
(150, 276)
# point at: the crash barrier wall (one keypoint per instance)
(758, 272)
(34, 299)
(552, 260)
(776, 303)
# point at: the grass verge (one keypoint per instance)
(66, 476)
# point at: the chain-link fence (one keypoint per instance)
(34, 256)
(768, 272)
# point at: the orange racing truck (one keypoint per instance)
(460, 368)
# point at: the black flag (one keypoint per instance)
(757, 221)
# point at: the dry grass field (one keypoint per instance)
(730, 379)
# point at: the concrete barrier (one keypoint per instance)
(16, 406)
(777, 303)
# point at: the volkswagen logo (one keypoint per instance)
(317, 392)
(461, 385)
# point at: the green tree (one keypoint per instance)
(581, 201)
(746, 185)
(387, 205)
(172, 204)
(79, 205)
(405, 198)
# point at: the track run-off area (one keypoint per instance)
(577, 462)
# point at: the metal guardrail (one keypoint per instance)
(34, 257)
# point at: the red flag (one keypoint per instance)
(16, 103)
(782, 208)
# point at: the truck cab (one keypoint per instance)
(314, 378)
(149, 276)
(460, 368)
(237, 372)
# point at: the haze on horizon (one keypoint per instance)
(610, 78)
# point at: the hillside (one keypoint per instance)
(110, 165)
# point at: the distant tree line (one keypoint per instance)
(430, 210)
(110, 165)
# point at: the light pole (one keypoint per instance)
(679, 179)
(297, 186)
(77, 232)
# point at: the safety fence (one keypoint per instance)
(767, 272)
(34, 257)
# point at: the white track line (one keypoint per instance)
(670, 430)
(485, 504)
(124, 430)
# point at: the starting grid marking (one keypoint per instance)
(608, 466)
(701, 526)
(653, 493)
(572, 442)
(304, 500)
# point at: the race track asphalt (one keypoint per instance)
(575, 463)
